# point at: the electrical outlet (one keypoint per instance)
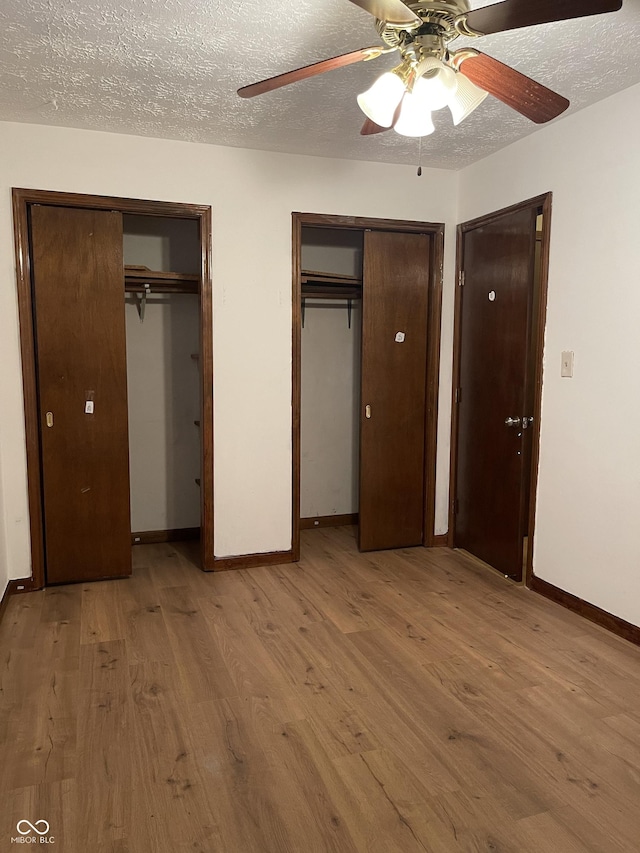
(566, 367)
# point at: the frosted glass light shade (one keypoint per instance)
(379, 103)
(468, 96)
(415, 117)
(437, 83)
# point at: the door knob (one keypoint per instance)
(512, 422)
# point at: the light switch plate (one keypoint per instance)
(566, 367)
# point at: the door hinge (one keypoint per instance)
(458, 394)
(461, 278)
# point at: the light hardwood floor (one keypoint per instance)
(394, 702)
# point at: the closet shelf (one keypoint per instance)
(329, 285)
(136, 280)
(324, 291)
(313, 276)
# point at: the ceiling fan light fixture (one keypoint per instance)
(380, 102)
(414, 119)
(437, 83)
(467, 98)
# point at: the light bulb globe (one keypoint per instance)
(436, 84)
(467, 98)
(414, 120)
(379, 103)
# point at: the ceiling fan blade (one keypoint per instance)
(514, 89)
(513, 14)
(310, 71)
(391, 11)
(370, 127)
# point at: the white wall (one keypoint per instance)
(330, 381)
(252, 194)
(169, 245)
(589, 489)
(332, 250)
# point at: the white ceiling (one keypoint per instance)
(170, 68)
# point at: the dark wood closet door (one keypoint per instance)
(492, 481)
(394, 364)
(78, 289)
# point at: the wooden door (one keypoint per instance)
(492, 478)
(393, 399)
(78, 289)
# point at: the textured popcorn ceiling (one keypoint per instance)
(170, 68)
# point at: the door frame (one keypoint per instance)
(358, 223)
(538, 318)
(23, 199)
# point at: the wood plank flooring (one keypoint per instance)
(395, 702)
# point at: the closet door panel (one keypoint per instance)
(394, 363)
(78, 288)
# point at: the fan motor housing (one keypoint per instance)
(438, 19)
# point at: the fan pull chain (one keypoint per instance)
(419, 156)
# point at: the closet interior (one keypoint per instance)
(162, 260)
(331, 314)
(113, 295)
(366, 308)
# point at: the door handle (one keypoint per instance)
(49, 417)
(367, 411)
(510, 422)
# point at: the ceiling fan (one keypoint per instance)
(430, 76)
